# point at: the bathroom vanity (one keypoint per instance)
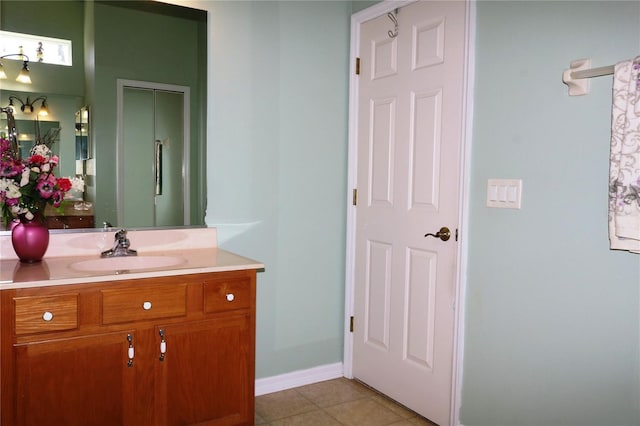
(161, 343)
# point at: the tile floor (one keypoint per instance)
(333, 403)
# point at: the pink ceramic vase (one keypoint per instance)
(30, 239)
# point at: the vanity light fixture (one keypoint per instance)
(27, 107)
(23, 76)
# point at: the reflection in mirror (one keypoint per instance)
(32, 132)
(152, 112)
(82, 137)
(61, 110)
(155, 42)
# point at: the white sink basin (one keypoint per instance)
(127, 263)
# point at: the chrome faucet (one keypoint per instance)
(120, 246)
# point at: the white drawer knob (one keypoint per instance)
(146, 306)
(230, 297)
(47, 316)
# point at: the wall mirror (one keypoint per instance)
(154, 42)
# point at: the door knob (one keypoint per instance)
(444, 234)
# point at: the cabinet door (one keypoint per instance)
(207, 374)
(75, 381)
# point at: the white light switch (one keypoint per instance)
(504, 193)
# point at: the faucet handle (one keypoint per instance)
(121, 235)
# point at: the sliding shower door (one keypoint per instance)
(168, 159)
(151, 187)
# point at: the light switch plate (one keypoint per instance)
(504, 193)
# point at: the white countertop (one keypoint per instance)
(191, 250)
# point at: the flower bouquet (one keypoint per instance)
(27, 186)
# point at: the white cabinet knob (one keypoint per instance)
(146, 306)
(47, 316)
(230, 297)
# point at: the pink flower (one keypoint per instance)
(12, 201)
(9, 169)
(5, 145)
(46, 187)
(58, 196)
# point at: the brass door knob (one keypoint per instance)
(444, 234)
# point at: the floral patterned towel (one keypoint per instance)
(624, 172)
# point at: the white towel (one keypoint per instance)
(624, 172)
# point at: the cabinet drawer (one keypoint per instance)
(227, 295)
(46, 313)
(124, 305)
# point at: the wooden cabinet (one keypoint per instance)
(68, 217)
(70, 222)
(77, 380)
(155, 351)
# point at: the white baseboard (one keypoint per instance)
(298, 378)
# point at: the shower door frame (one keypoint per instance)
(186, 111)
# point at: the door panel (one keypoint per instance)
(378, 288)
(408, 148)
(138, 128)
(88, 373)
(206, 373)
(169, 131)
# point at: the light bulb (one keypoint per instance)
(23, 77)
(44, 111)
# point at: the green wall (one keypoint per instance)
(552, 315)
(277, 163)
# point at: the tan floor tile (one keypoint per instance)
(400, 410)
(312, 418)
(333, 392)
(363, 412)
(282, 404)
(345, 402)
(414, 421)
(418, 420)
(258, 420)
(363, 387)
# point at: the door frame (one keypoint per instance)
(357, 19)
(186, 129)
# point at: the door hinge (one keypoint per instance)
(351, 324)
(355, 196)
(357, 66)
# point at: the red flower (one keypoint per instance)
(37, 159)
(64, 184)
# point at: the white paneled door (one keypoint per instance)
(410, 120)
